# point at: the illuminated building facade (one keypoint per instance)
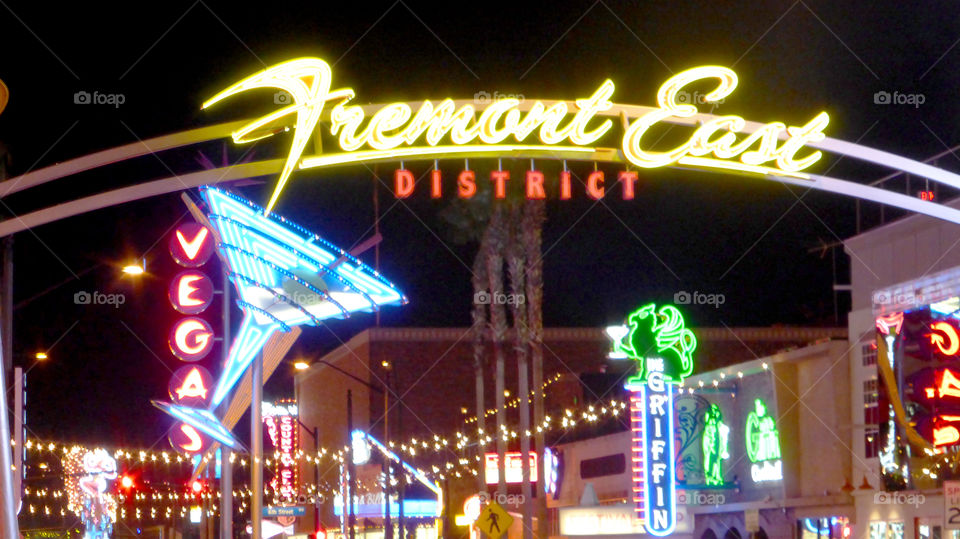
(433, 369)
(905, 278)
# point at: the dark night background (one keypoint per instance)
(747, 239)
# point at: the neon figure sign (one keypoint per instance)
(392, 131)
(662, 346)
(716, 437)
(763, 445)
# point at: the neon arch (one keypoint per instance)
(597, 105)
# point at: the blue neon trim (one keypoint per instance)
(282, 297)
(288, 274)
(671, 467)
(201, 419)
(316, 265)
(257, 212)
(246, 345)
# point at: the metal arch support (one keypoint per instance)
(273, 166)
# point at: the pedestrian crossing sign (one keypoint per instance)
(494, 521)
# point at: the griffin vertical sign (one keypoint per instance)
(662, 346)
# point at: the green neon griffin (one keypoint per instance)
(659, 335)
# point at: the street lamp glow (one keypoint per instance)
(301, 365)
(41, 356)
(133, 269)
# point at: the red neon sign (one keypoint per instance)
(895, 321)
(190, 292)
(945, 338)
(284, 434)
(191, 339)
(190, 385)
(191, 245)
(404, 184)
(187, 439)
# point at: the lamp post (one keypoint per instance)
(388, 528)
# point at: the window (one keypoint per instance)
(601, 466)
(869, 354)
(871, 418)
(871, 442)
(886, 530)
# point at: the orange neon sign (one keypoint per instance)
(947, 340)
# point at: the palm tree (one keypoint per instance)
(499, 234)
(516, 267)
(531, 234)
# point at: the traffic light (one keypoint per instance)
(126, 482)
(196, 486)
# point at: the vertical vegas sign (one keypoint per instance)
(659, 342)
(191, 338)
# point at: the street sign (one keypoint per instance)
(494, 521)
(284, 511)
(951, 502)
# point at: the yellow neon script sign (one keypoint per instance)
(393, 131)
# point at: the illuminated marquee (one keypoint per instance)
(662, 346)
(443, 129)
(763, 445)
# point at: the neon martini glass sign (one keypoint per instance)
(662, 346)
(285, 276)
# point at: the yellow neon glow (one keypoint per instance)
(187, 328)
(393, 130)
(192, 386)
(726, 146)
(706, 162)
(400, 153)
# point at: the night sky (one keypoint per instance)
(746, 239)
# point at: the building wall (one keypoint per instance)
(900, 251)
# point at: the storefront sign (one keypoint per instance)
(444, 129)
(284, 433)
(716, 437)
(513, 467)
(763, 445)
(663, 347)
